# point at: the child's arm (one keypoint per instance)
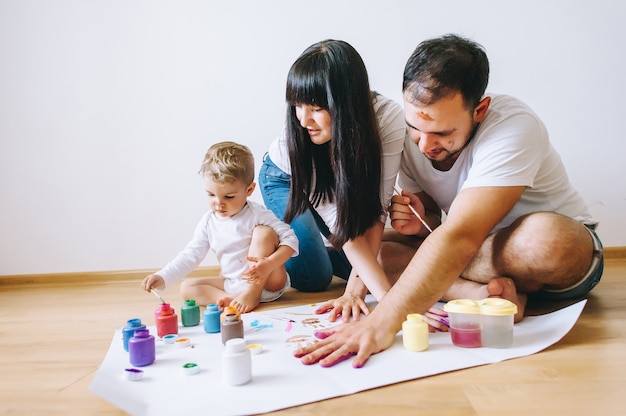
(187, 260)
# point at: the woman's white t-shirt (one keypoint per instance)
(392, 128)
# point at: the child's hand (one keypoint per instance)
(153, 281)
(258, 271)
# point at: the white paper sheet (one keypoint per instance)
(280, 380)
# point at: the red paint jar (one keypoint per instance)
(166, 320)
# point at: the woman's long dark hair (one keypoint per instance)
(346, 170)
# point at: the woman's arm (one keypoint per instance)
(362, 253)
(367, 274)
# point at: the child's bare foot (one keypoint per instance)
(246, 301)
(503, 287)
(224, 301)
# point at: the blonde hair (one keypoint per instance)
(227, 162)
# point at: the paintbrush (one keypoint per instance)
(157, 295)
(419, 217)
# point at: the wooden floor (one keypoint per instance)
(54, 337)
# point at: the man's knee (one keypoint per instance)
(547, 243)
(394, 257)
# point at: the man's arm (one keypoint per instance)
(437, 263)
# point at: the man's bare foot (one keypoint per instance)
(503, 287)
(245, 301)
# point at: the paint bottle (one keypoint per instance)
(236, 362)
(157, 312)
(142, 348)
(415, 333)
(232, 327)
(190, 313)
(465, 322)
(129, 330)
(228, 310)
(211, 318)
(166, 321)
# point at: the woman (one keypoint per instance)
(330, 174)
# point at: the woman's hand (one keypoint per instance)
(347, 306)
(437, 320)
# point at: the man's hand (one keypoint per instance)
(360, 339)
(402, 218)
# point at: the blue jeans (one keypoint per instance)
(314, 267)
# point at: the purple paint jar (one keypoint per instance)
(142, 348)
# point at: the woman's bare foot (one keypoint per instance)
(503, 287)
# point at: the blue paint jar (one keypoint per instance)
(211, 318)
(129, 330)
(142, 348)
(190, 313)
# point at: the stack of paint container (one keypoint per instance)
(486, 323)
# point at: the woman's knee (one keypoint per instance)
(309, 276)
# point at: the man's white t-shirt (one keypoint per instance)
(511, 147)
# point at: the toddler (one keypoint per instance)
(250, 243)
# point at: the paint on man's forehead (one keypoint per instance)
(424, 116)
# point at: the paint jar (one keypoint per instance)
(129, 330)
(190, 313)
(236, 362)
(498, 314)
(142, 348)
(211, 318)
(228, 310)
(465, 322)
(166, 321)
(415, 333)
(157, 312)
(232, 327)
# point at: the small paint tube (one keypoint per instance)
(190, 369)
(133, 374)
(182, 342)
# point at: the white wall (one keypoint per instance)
(106, 107)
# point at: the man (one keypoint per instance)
(514, 225)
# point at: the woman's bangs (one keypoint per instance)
(307, 88)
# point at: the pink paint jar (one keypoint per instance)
(465, 322)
